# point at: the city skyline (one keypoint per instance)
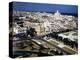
(44, 7)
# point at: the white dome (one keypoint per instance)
(57, 15)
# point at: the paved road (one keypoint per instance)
(59, 45)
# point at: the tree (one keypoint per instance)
(32, 32)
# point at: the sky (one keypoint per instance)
(27, 6)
